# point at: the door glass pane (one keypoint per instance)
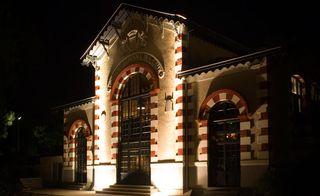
(134, 151)
(224, 145)
(81, 157)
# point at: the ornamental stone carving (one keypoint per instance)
(136, 58)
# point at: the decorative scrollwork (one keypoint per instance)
(134, 40)
(137, 57)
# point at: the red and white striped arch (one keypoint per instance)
(69, 142)
(245, 125)
(76, 125)
(223, 95)
(133, 69)
(117, 86)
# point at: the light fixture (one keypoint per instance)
(169, 102)
(140, 106)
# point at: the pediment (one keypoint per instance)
(130, 25)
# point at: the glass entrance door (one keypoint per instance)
(81, 157)
(134, 148)
(224, 146)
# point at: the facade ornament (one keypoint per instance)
(105, 45)
(146, 23)
(92, 61)
(160, 23)
(178, 27)
(134, 40)
(137, 57)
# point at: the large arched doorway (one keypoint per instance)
(224, 145)
(81, 156)
(134, 140)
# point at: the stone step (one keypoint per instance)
(74, 186)
(142, 187)
(119, 189)
(221, 192)
(126, 193)
(31, 183)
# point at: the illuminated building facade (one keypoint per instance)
(176, 106)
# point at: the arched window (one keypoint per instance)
(298, 93)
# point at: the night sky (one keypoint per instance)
(51, 36)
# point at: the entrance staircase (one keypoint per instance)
(74, 186)
(120, 189)
(220, 192)
(31, 183)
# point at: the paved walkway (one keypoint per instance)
(67, 192)
(63, 192)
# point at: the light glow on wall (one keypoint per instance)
(158, 194)
(167, 177)
(104, 177)
(102, 139)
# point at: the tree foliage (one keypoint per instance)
(49, 136)
(9, 117)
(6, 121)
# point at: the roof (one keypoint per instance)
(229, 62)
(75, 104)
(109, 31)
